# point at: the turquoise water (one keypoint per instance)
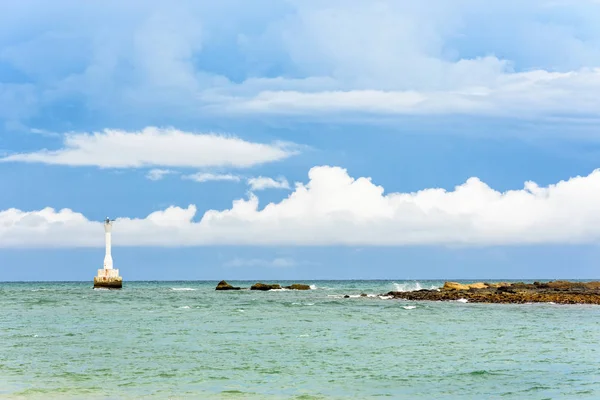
(184, 340)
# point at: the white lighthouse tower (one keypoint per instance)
(108, 264)
(108, 277)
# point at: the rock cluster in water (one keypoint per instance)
(262, 286)
(560, 292)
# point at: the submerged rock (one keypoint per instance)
(226, 286)
(265, 286)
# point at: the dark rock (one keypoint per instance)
(363, 295)
(298, 286)
(264, 286)
(505, 289)
(226, 286)
(346, 297)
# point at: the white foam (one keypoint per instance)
(240, 310)
(185, 307)
(278, 290)
(182, 289)
(313, 287)
(409, 307)
(411, 287)
(386, 297)
(462, 300)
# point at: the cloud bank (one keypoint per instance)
(528, 94)
(193, 59)
(156, 147)
(333, 208)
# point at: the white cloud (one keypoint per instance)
(258, 262)
(157, 147)
(262, 183)
(157, 174)
(207, 176)
(336, 209)
(372, 56)
(529, 94)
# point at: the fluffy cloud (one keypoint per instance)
(207, 177)
(262, 183)
(156, 147)
(333, 208)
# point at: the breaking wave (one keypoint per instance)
(411, 286)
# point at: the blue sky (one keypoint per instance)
(282, 139)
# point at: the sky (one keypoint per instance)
(300, 139)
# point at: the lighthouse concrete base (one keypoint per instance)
(109, 279)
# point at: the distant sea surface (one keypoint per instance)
(181, 340)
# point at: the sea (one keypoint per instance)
(184, 340)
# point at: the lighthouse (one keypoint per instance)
(108, 277)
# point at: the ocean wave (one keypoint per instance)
(182, 289)
(315, 287)
(411, 286)
(462, 300)
(409, 307)
(185, 307)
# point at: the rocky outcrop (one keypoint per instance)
(298, 286)
(223, 285)
(460, 286)
(560, 292)
(264, 286)
(226, 286)
(454, 286)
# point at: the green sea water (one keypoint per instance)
(181, 340)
